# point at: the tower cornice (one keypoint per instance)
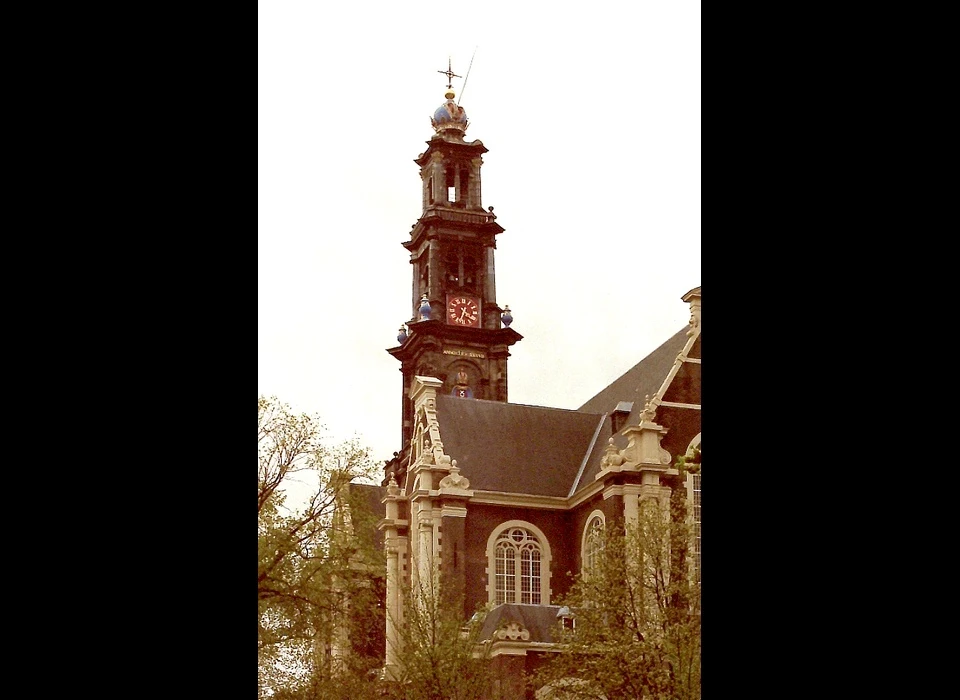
(438, 222)
(434, 335)
(437, 143)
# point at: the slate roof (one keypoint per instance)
(547, 451)
(540, 620)
(645, 379)
(641, 380)
(515, 448)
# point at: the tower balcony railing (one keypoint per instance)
(467, 217)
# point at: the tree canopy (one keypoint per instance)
(441, 655)
(635, 628)
(308, 548)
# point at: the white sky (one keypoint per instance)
(591, 114)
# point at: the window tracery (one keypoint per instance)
(519, 565)
(593, 541)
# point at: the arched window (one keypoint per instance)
(518, 558)
(469, 271)
(451, 265)
(592, 545)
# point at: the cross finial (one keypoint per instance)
(449, 73)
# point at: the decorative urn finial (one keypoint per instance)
(649, 411)
(424, 308)
(506, 316)
(402, 335)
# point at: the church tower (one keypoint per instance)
(457, 333)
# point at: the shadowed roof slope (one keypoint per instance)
(539, 620)
(642, 380)
(646, 378)
(514, 448)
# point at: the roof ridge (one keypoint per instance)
(525, 405)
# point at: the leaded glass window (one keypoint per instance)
(518, 549)
(593, 543)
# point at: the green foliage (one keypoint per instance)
(440, 653)
(312, 570)
(689, 462)
(637, 616)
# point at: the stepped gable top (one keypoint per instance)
(515, 448)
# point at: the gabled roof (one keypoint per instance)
(540, 451)
(675, 385)
(641, 380)
(514, 448)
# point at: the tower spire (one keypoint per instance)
(458, 333)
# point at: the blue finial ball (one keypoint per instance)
(424, 309)
(506, 317)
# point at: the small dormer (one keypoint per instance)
(619, 415)
(567, 618)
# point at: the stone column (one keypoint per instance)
(391, 545)
(425, 550)
(454, 495)
(433, 263)
(631, 512)
(439, 180)
(490, 280)
(475, 183)
(393, 608)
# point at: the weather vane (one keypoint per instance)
(450, 74)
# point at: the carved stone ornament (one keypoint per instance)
(649, 411)
(643, 445)
(426, 454)
(453, 480)
(694, 319)
(611, 457)
(512, 631)
(427, 447)
(392, 488)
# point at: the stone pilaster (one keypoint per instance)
(452, 500)
(392, 547)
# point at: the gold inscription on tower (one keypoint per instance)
(461, 352)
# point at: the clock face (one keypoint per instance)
(463, 311)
